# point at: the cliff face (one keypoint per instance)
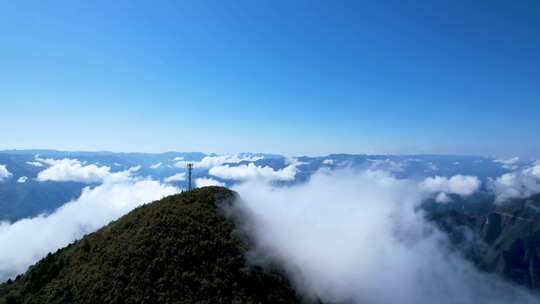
(176, 250)
(513, 234)
(507, 239)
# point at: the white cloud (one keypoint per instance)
(291, 160)
(135, 168)
(34, 163)
(432, 166)
(155, 166)
(463, 185)
(22, 179)
(533, 171)
(509, 161)
(26, 241)
(443, 198)
(48, 161)
(509, 164)
(387, 165)
(328, 162)
(251, 171)
(175, 178)
(346, 237)
(213, 161)
(72, 170)
(204, 182)
(517, 184)
(4, 173)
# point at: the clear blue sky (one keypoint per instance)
(295, 77)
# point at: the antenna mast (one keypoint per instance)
(189, 169)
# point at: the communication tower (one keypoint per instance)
(189, 169)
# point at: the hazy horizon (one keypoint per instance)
(267, 153)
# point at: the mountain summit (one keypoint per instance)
(180, 249)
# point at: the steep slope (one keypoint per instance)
(176, 250)
(505, 241)
(513, 233)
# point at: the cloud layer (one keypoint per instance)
(357, 237)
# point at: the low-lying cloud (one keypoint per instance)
(26, 241)
(254, 172)
(63, 170)
(178, 177)
(509, 164)
(205, 182)
(328, 162)
(217, 160)
(443, 198)
(518, 184)
(358, 237)
(156, 166)
(4, 173)
(34, 163)
(463, 185)
(387, 165)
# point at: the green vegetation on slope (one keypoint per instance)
(176, 250)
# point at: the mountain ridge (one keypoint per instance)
(180, 249)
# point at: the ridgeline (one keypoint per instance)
(180, 249)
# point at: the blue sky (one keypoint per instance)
(294, 77)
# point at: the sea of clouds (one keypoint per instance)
(344, 235)
(358, 237)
